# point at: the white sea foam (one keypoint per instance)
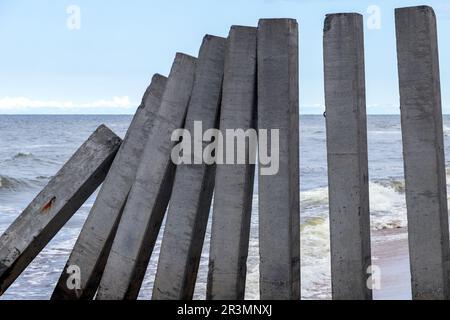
(446, 130)
(387, 207)
(387, 204)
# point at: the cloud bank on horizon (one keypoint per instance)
(15, 105)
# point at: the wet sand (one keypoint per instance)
(390, 254)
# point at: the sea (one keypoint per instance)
(34, 147)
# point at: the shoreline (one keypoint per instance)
(390, 253)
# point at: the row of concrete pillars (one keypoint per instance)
(246, 81)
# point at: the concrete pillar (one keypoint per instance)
(423, 151)
(94, 242)
(146, 204)
(234, 182)
(190, 203)
(278, 108)
(348, 185)
(55, 204)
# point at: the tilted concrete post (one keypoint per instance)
(193, 188)
(55, 204)
(94, 242)
(423, 151)
(234, 182)
(278, 109)
(348, 185)
(147, 202)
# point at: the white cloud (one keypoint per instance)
(28, 104)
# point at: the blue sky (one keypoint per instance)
(105, 66)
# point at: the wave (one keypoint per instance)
(315, 258)
(397, 132)
(313, 198)
(387, 204)
(8, 183)
(30, 157)
(396, 184)
(15, 184)
(21, 155)
(446, 130)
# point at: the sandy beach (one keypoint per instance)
(390, 254)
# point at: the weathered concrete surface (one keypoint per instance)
(234, 182)
(190, 203)
(55, 204)
(150, 193)
(345, 101)
(94, 242)
(423, 151)
(278, 108)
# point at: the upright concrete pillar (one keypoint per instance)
(55, 204)
(147, 202)
(348, 185)
(94, 242)
(423, 151)
(278, 109)
(234, 182)
(193, 188)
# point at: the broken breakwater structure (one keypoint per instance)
(247, 81)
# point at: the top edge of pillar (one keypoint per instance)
(104, 128)
(406, 10)
(183, 56)
(242, 28)
(277, 20)
(158, 83)
(213, 37)
(103, 132)
(158, 77)
(344, 15)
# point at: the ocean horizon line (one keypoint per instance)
(131, 114)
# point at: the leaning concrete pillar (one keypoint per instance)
(147, 202)
(423, 151)
(92, 247)
(55, 204)
(234, 182)
(278, 109)
(348, 185)
(188, 213)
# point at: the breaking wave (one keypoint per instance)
(387, 204)
(21, 155)
(15, 184)
(8, 183)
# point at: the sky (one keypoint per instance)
(97, 57)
